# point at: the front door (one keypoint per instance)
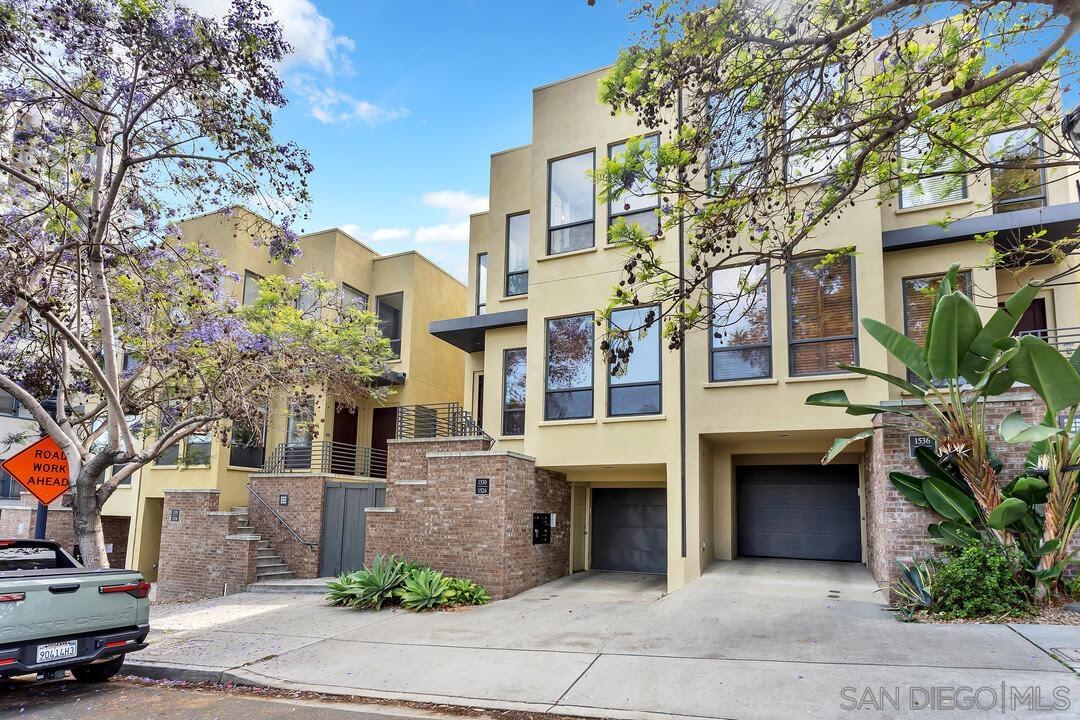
(343, 450)
(383, 428)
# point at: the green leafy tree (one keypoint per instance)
(777, 115)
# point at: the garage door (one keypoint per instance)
(799, 511)
(629, 529)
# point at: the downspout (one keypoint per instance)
(682, 349)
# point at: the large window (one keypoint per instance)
(245, 447)
(251, 287)
(640, 202)
(517, 254)
(940, 181)
(514, 392)
(821, 310)
(351, 297)
(740, 337)
(737, 143)
(572, 203)
(388, 309)
(481, 283)
(1019, 184)
(569, 388)
(813, 151)
(197, 449)
(919, 294)
(634, 383)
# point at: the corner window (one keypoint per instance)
(351, 297)
(737, 143)
(740, 346)
(569, 381)
(251, 287)
(572, 203)
(517, 254)
(940, 180)
(640, 202)
(634, 384)
(388, 309)
(481, 283)
(821, 315)
(1018, 184)
(514, 392)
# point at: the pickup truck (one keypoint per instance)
(56, 615)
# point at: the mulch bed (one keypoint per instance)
(1051, 615)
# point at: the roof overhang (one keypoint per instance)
(1059, 221)
(390, 377)
(468, 333)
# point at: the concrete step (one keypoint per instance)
(242, 510)
(273, 575)
(316, 586)
(265, 554)
(246, 529)
(265, 566)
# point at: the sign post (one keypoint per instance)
(42, 469)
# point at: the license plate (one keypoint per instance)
(57, 651)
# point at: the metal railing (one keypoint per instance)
(327, 457)
(436, 421)
(280, 519)
(1065, 339)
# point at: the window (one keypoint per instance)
(126, 482)
(481, 283)
(812, 152)
(740, 345)
(513, 392)
(170, 456)
(569, 388)
(388, 309)
(245, 448)
(9, 486)
(1021, 185)
(251, 287)
(307, 302)
(640, 202)
(197, 449)
(8, 404)
(131, 360)
(168, 415)
(919, 293)
(935, 188)
(634, 386)
(821, 310)
(737, 143)
(571, 203)
(517, 254)
(351, 297)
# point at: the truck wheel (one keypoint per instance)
(98, 672)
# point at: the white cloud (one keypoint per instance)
(376, 236)
(309, 32)
(457, 206)
(329, 106)
(444, 233)
(457, 203)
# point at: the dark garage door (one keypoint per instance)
(629, 529)
(799, 511)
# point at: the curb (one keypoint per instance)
(184, 673)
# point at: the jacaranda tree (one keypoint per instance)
(117, 119)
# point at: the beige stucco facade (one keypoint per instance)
(431, 369)
(705, 431)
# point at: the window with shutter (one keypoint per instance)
(821, 315)
(930, 188)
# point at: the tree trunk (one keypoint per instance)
(87, 518)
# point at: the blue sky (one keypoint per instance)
(401, 103)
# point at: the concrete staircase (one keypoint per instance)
(268, 564)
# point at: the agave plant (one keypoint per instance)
(424, 589)
(962, 363)
(370, 587)
(913, 589)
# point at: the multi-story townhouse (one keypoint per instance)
(710, 453)
(406, 291)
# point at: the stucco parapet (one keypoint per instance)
(1011, 397)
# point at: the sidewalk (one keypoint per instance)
(751, 640)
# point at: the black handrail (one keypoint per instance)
(280, 519)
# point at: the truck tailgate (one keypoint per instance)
(67, 602)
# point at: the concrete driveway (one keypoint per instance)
(751, 639)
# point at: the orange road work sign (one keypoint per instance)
(41, 468)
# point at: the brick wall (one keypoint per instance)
(17, 520)
(434, 516)
(896, 529)
(201, 554)
(303, 513)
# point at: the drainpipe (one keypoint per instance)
(682, 354)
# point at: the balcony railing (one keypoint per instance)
(327, 457)
(1065, 339)
(436, 421)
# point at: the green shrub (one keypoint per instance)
(370, 587)
(466, 592)
(979, 581)
(424, 589)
